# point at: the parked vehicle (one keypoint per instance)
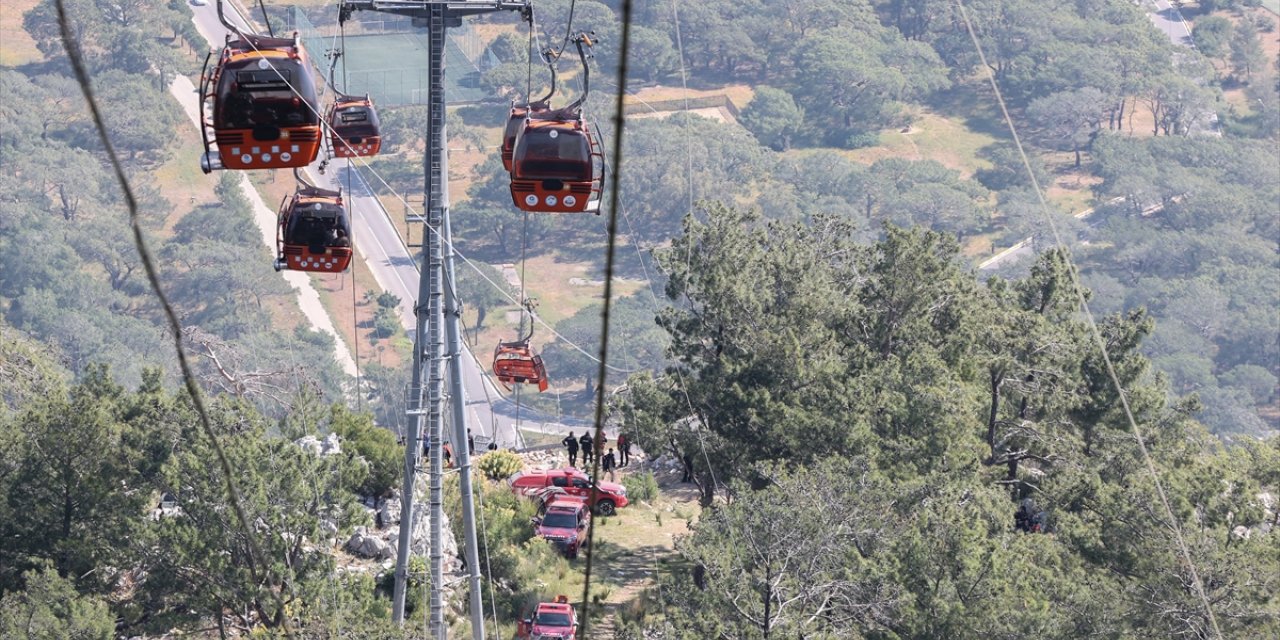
(564, 524)
(550, 621)
(574, 482)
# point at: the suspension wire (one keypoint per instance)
(528, 92)
(488, 568)
(619, 119)
(684, 90)
(684, 391)
(355, 319)
(326, 126)
(342, 35)
(265, 18)
(568, 32)
(1073, 271)
(71, 46)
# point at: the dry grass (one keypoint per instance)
(185, 186)
(16, 46)
(354, 318)
(932, 137)
(738, 94)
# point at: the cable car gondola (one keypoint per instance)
(313, 233)
(354, 129)
(520, 114)
(263, 96)
(556, 164)
(516, 363)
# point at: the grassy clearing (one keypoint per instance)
(16, 46)
(932, 136)
(354, 318)
(738, 94)
(185, 186)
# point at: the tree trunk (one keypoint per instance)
(991, 417)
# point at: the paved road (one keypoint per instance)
(265, 218)
(395, 270)
(1168, 19)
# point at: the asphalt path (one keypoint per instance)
(1168, 19)
(490, 412)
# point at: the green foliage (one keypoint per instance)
(1212, 35)
(1247, 55)
(49, 608)
(1215, 199)
(941, 403)
(641, 486)
(67, 495)
(377, 446)
(773, 118)
(499, 465)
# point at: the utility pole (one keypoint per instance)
(437, 305)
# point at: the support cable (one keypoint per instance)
(266, 19)
(70, 44)
(326, 126)
(619, 119)
(1072, 270)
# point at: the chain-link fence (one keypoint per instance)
(387, 58)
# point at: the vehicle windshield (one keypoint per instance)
(560, 520)
(356, 121)
(553, 619)
(317, 225)
(260, 91)
(553, 154)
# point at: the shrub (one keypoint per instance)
(499, 465)
(641, 486)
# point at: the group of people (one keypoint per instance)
(608, 462)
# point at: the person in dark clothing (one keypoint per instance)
(624, 449)
(1029, 518)
(688, 469)
(608, 463)
(588, 448)
(471, 443)
(571, 444)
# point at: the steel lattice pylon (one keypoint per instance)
(437, 307)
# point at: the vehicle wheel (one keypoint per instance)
(606, 508)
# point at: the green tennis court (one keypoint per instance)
(391, 65)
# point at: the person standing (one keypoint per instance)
(471, 443)
(571, 444)
(623, 449)
(608, 463)
(588, 452)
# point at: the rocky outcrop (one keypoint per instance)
(367, 545)
(330, 445)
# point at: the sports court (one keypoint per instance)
(388, 60)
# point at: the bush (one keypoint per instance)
(641, 486)
(499, 465)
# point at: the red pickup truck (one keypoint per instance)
(574, 483)
(563, 523)
(551, 620)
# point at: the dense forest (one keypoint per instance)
(884, 441)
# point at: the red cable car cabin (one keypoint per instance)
(313, 234)
(354, 129)
(516, 123)
(519, 113)
(515, 362)
(259, 122)
(557, 166)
